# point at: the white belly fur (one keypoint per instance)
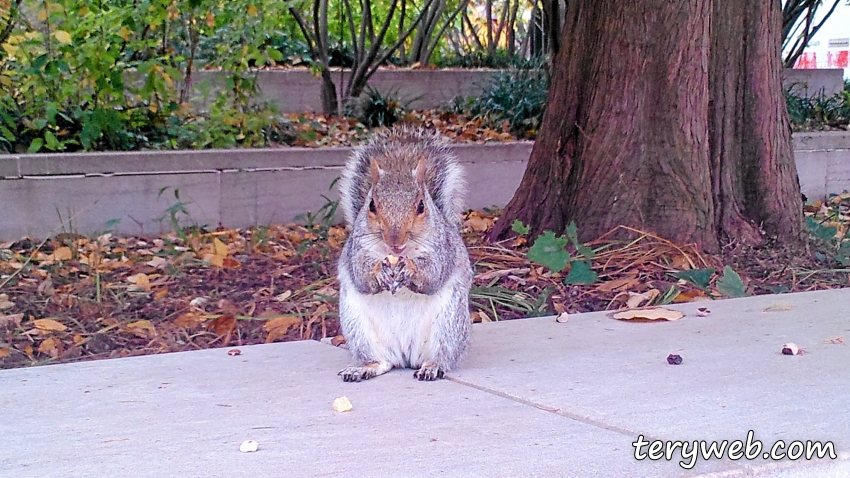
(399, 327)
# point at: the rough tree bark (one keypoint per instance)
(667, 116)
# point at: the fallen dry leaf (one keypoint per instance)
(219, 248)
(478, 222)
(277, 327)
(48, 325)
(158, 262)
(562, 317)
(15, 319)
(223, 325)
(234, 352)
(649, 314)
(5, 352)
(636, 299)
(188, 320)
(61, 254)
(618, 284)
(791, 349)
(46, 287)
(703, 312)
(779, 307)
(835, 341)
(143, 328)
(50, 346)
(141, 283)
(694, 295)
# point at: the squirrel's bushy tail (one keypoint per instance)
(444, 176)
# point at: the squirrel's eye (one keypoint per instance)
(420, 209)
(372, 208)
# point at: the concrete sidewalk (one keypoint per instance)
(533, 398)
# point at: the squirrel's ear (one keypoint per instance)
(375, 171)
(419, 172)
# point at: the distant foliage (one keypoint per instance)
(479, 59)
(514, 100)
(379, 109)
(819, 112)
(117, 75)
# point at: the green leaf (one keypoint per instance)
(730, 284)
(53, 144)
(520, 228)
(572, 234)
(697, 277)
(572, 231)
(585, 251)
(548, 251)
(274, 54)
(580, 273)
(36, 145)
(824, 233)
(668, 296)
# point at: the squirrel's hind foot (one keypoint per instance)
(364, 372)
(429, 373)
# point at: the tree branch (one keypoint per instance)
(14, 8)
(302, 25)
(432, 47)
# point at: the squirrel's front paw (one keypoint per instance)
(429, 373)
(364, 372)
(385, 275)
(356, 374)
(402, 274)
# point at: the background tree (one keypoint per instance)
(798, 25)
(367, 39)
(427, 37)
(669, 117)
(8, 15)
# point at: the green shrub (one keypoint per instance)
(818, 112)
(479, 59)
(516, 98)
(111, 75)
(379, 109)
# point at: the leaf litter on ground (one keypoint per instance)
(71, 298)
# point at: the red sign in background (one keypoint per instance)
(834, 59)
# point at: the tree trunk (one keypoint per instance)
(330, 104)
(754, 177)
(668, 117)
(552, 26)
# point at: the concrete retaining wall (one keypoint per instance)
(46, 194)
(823, 162)
(50, 193)
(810, 82)
(297, 90)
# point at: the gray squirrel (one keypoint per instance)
(404, 271)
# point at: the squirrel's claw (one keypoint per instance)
(356, 374)
(429, 373)
(385, 275)
(364, 372)
(402, 274)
